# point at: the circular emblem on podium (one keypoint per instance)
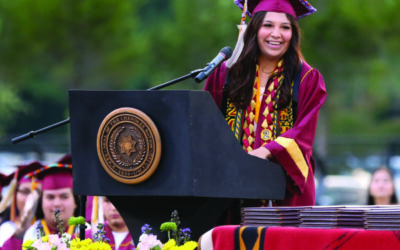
(128, 145)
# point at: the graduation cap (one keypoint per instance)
(4, 181)
(22, 174)
(66, 159)
(55, 176)
(296, 8)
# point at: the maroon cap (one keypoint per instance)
(66, 159)
(23, 171)
(57, 179)
(4, 181)
(56, 176)
(296, 8)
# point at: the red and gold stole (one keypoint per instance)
(244, 122)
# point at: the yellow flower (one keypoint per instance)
(88, 244)
(100, 246)
(190, 245)
(169, 245)
(27, 244)
(80, 244)
(45, 238)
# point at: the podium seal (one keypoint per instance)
(128, 145)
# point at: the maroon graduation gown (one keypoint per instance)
(12, 243)
(293, 148)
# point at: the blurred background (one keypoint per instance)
(48, 47)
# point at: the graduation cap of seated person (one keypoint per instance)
(3, 181)
(56, 176)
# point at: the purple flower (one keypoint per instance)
(186, 234)
(146, 229)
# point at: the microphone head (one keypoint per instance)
(227, 51)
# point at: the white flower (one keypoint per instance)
(66, 238)
(147, 241)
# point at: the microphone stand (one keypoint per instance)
(32, 134)
(83, 199)
(192, 74)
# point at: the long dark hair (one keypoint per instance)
(242, 73)
(393, 197)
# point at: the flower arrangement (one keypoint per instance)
(178, 239)
(64, 241)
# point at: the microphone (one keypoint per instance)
(223, 55)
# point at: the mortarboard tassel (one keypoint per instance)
(97, 213)
(239, 44)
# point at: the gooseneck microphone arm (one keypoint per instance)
(32, 134)
(198, 74)
(191, 74)
(39, 131)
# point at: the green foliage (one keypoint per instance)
(48, 47)
(10, 106)
(352, 44)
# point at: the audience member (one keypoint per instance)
(19, 194)
(56, 181)
(381, 190)
(116, 229)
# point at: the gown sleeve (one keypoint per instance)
(293, 149)
(215, 83)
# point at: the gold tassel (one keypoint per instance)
(239, 44)
(95, 210)
(97, 213)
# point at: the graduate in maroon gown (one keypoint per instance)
(254, 89)
(20, 193)
(114, 226)
(57, 194)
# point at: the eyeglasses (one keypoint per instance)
(24, 191)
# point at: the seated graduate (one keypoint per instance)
(114, 225)
(21, 193)
(57, 194)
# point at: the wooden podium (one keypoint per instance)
(202, 168)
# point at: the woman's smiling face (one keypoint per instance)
(274, 35)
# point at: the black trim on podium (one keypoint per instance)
(202, 166)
